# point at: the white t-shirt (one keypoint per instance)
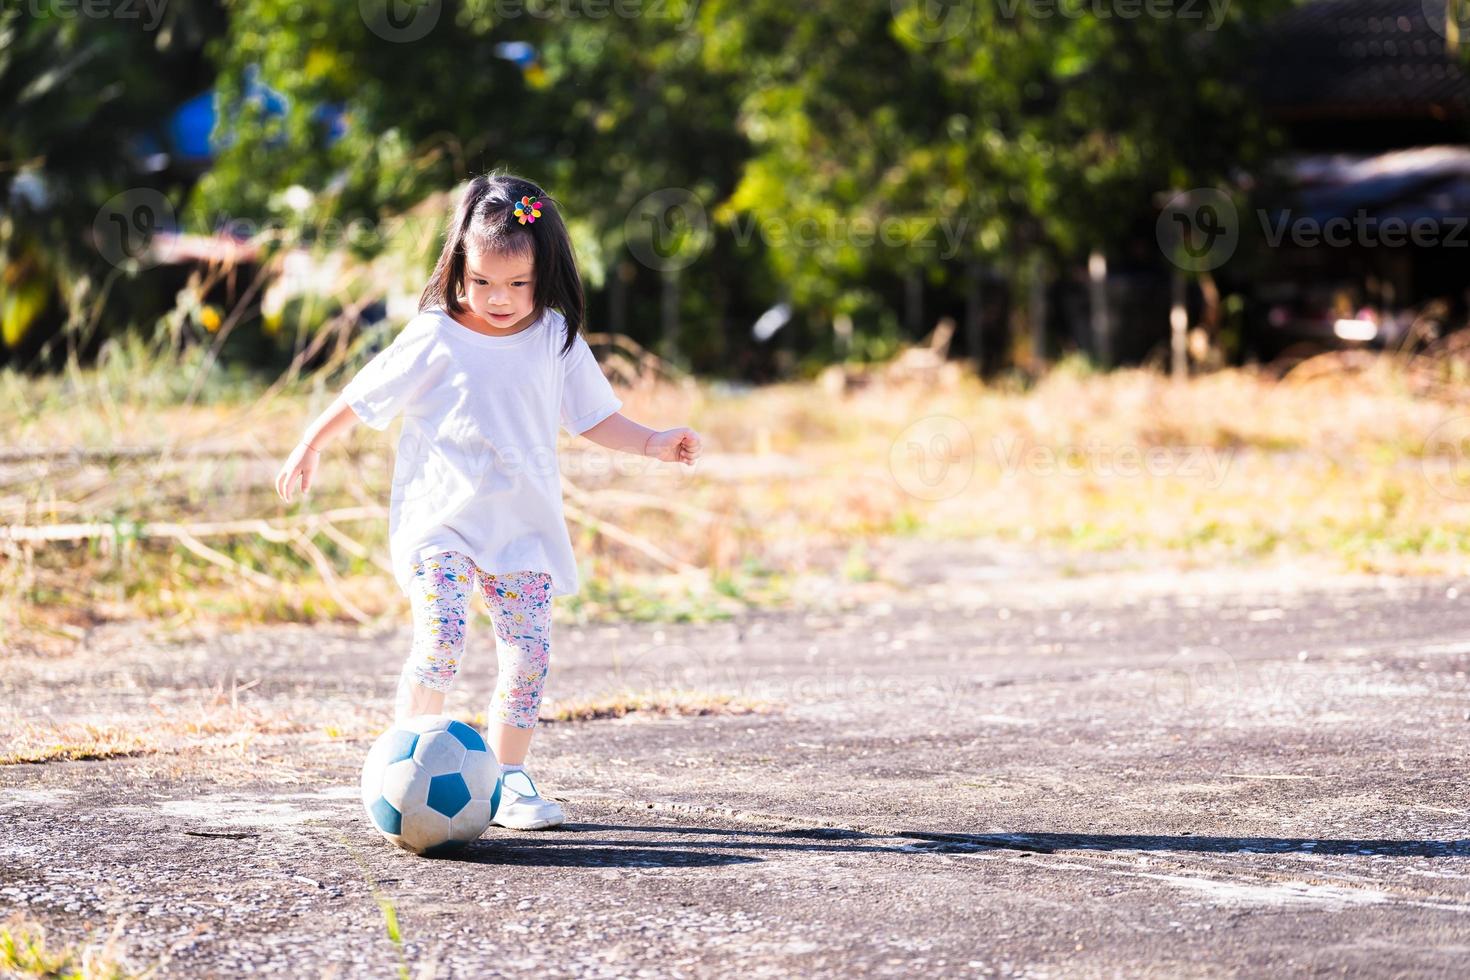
(476, 469)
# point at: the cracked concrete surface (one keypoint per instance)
(993, 762)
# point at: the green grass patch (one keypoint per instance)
(25, 951)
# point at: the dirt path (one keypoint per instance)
(995, 763)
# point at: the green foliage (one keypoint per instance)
(614, 108)
(1022, 131)
(836, 148)
(77, 88)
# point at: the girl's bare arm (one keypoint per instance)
(619, 432)
(337, 418)
(302, 463)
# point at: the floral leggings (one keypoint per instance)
(520, 606)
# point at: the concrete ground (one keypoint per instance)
(991, 762)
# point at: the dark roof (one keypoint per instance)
(1425, 182)
(1364, 58)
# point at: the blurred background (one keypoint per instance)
(1177, 275)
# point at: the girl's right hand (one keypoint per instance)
(302, 462)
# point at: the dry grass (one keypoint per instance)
(243, 740)
(664, 703)
(1352, 473)
(221, 723)
(31, 742)
(795, 477)
(26, 952)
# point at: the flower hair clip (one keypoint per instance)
(528, 210)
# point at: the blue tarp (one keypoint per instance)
(189, 134)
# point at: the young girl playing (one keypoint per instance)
(482, 376)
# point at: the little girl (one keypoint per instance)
(482, 376)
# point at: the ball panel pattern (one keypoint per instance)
(397, 744)
(431, 784)
(469, 823)
(386, 817)
(423, 724)
(481, 774)
(405, 785)
(389, 747)
(448, 794)
(439, 753)
(372, 780)
(424, 828)
(467, 736)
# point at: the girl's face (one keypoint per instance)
(499, 291)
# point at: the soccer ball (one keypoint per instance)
(430, 784)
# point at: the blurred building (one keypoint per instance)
(1370, 206)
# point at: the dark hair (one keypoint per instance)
(485, 218)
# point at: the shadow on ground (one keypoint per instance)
(566, 847)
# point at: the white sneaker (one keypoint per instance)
(521, 807)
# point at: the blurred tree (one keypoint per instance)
(852, 156)
(1030, 128)
(601, 107)
(80, 85)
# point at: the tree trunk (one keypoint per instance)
(1178, 329)
(975, 313)
(1102, 328)
(913, 304)
(669, 316)
(617, 297)
(1036, 311)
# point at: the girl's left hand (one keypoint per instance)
(679, 445)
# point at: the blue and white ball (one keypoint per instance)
(430, 784)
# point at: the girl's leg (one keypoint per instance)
(510, 744)
(520, 605)
(438, 591)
